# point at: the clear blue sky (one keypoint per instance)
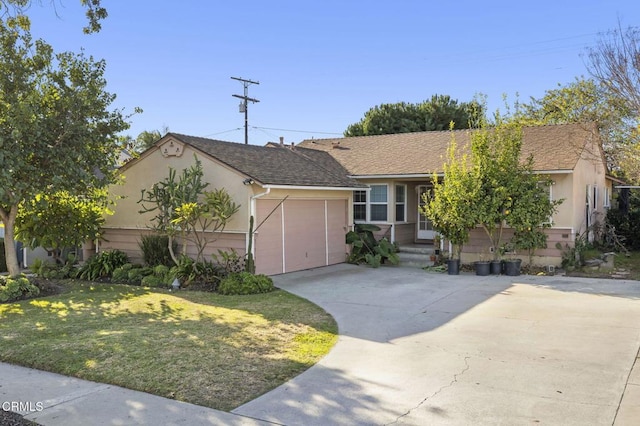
(322, 64)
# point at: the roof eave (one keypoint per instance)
(314, 188)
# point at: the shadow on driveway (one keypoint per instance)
(419, 348)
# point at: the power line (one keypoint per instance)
(296, 131)
(225, 131)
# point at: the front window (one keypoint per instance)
(378, 203)
(360, 206)
(370, 207)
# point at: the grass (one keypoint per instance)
(203, 348)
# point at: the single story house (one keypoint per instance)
(399, 169)
(300, 203)
(305, 198)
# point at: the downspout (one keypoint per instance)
(252, 212)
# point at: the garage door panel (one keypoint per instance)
(336, 230)
(305, 242)
(268, 238)
(300, 234)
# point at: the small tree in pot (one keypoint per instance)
(450, 208)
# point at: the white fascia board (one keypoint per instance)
(552, 172)
(411, 176)
(314, 188)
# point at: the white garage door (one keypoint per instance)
(300, 234)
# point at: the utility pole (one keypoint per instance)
(244, 107)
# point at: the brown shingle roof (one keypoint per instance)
(554, 147)
(274, 166)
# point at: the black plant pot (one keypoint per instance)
(512, 267)
(483, 267)
(496, 267)
(453, 266)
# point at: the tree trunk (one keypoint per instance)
(9, 220)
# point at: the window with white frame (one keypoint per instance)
(401, 203)
(371, 207)
(359, 206)
(549, 188)
(606, 201)
(595, 197)
(378, 203)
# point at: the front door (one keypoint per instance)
(425, 227)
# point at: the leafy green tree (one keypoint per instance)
(15, 11)
(434, 114)
(509, 192)
(56, 130)
(145, 139)
(451, 205)
(584, 101)
(185, 210)
(61, 220)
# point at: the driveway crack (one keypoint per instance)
(450, 384)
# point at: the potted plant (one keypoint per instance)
(512, 264)
(482, 266)
(449, 208)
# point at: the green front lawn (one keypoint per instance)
(203, 348)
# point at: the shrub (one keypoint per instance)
(102, 264)
(121, 274)
(230, 262)
(365, 248)
(153, 281)
(188, 271)
(135, 275)
(155, 250)
(14, 288)
(245, 283)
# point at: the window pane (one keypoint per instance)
(400, 193)
(359, 196)
(378, 193)
(399, 212)
(378, 212)
(360, 212)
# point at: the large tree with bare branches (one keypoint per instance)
(615, 63)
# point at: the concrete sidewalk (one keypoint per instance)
(414, 349)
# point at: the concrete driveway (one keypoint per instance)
(432, 349)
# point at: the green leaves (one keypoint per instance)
(493, 189)
(61, 220)
(183, 208)
(57, 133)
(434, 114)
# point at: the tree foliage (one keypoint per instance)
(586, 101)
(184, 209)
(434, 114)
(56, 130)
(450, 206)
(145, 140)
(61, 220)
(509, 192)
(491, 188)
(15, 13)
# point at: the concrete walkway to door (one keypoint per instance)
(417, 348)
